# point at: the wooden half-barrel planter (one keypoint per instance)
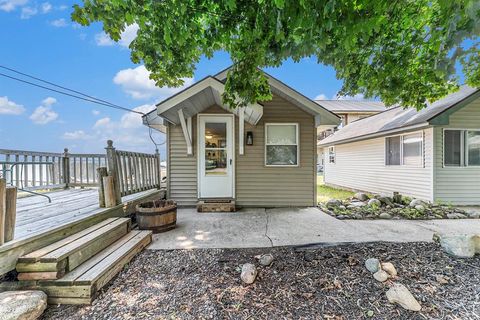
(157, 215)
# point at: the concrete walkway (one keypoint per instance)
(281, 227)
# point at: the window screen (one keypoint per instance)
(281, 145)
(392, 148)
(412, 149)
(452, 144)
(473, 148)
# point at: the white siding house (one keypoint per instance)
(402, 150)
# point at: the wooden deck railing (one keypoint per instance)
(34, 170)
(133, 171)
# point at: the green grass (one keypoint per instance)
(325, 193)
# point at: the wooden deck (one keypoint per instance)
(40, 223)
(35, 215)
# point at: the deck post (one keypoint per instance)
(101, 172)
(10, 213)
(3, 200)
(113, 170)
(158, 168)
(109, 188)
(66, 168)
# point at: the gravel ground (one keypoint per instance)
(302, 283)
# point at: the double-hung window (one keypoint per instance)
(404, 150)
(281, 144)
(461, 148)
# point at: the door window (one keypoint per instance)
(215, 148)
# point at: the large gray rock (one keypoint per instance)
(357, 204)
(455, 215)
(460, 246)
(333, 203)
(398, 293)
(374, 203)
(361, 196)
(416, 202)
(473, 214)
(372, 265)
(420, 208)
(22, 305)
(249, 273)
(385, 215)
(386, 201)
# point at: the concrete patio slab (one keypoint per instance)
(249, 228)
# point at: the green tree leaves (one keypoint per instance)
(403, 51)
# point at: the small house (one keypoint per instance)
(261, 155)
(431, 154)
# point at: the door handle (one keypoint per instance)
(231, 161)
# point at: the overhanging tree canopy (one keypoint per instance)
(403, 51)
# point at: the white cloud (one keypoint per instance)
(76, 135)
(44, 113)
(127, 36)
(127, 132)
(136, 83)
(134, 120)
(62, 7)
(321, 97)
(28, 12)
(49, 101)
(103, 40)
(59, 23)
(9, 107)
(46, 7)
(10, 5)
(95, 112)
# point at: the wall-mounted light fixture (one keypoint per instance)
(249, 141)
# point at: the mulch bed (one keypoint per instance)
(314, 283)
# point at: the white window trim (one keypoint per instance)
(332, 148)
(297, 130)
(463, 149)
(402, 164)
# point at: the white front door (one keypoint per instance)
(216, 156)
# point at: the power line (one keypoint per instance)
(65, 88)
(89, 98)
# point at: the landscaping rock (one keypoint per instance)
(361, 196)
(358, 204)
(381, 276)
(397, 197)
(342, 207)
(473, 214)
(374, 203)
(398, 293)
(333, 203)
(416, 202)
(455, 215)
(372, 265)
(460, 246)
(385, 215)
(420, 208)
(386, 201)
(265, 260)
(24, 305)
(249, 273)
(389, 268)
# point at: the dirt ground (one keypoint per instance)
(302, 283)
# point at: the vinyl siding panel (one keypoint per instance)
(255, 184)
(361, 166)
(457, 185)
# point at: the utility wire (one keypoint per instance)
(77, 95)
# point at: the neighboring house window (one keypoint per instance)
(404, 150)
(281, 144)
(331, 154)
(461, 148)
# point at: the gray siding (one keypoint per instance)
(361, 166)
(459, 185)
(255, 184)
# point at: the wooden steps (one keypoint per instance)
(55, 260)
(216, 205)
(82, 285)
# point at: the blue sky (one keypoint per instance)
(39, 38)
